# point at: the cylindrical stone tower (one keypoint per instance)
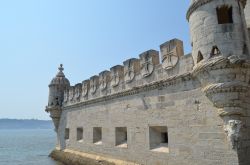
(56, 95)
(217, 27)
(220, 51)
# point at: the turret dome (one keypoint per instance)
(60, 78)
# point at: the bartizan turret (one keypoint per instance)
(220, 52)
(56, 96)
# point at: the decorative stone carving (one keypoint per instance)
(233, 130)
(131, 68)
(170, 53)
(85, 88)
(148, 60)
(65, 95)
(116, 75)
(71, 93)
(78, 91)
(93, 84)
(104, 78)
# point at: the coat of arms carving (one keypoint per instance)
(116, 73)
(93, 84)
(129, 70)
(78, 89)
(148, 61)
(103, 79)
(85, 88)
(171, 52)
(71, 94)
(65, 95)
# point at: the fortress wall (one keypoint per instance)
(195, 131)
(145, 97)
(134, 73)
(164, 107)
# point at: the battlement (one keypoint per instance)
(134, 73)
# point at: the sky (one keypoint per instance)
(86, 36)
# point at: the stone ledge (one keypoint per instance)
(69, 157)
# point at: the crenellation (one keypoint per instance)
(104, 79)
(77, 92)
(171, 51)
(135, 72)
(71, 94)
(94, 85)
(131, 69)
(117, 75)
(148, 61)
(85, 89)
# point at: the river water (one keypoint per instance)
(27, 147)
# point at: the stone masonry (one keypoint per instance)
(165, 108)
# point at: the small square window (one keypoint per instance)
(158, 138)
(224, 14)
(97, 135)
(79, 135)
(66, 136)
(121, 137)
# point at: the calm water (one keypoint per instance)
(26, 147)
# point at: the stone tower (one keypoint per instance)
(217, 27)
(56, 95)
(220, 42)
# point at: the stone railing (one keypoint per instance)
(135, 73)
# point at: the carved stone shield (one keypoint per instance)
(77, 92)
(104, 78)
(170, 60)
(65, 96)
(103, 81)
(116, 75)
(171, 51)
(71, 94)
(129, 71)
(85, 88)
(147, 66)
(93, 84)
(115, 79)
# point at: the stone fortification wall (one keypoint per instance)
(195, 132)
(191, 109)
(146, 112)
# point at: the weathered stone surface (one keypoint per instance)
(194, 111)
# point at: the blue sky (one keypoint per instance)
(87, 36)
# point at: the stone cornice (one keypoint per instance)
(147, 87)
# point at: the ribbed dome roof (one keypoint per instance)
(60, 78)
